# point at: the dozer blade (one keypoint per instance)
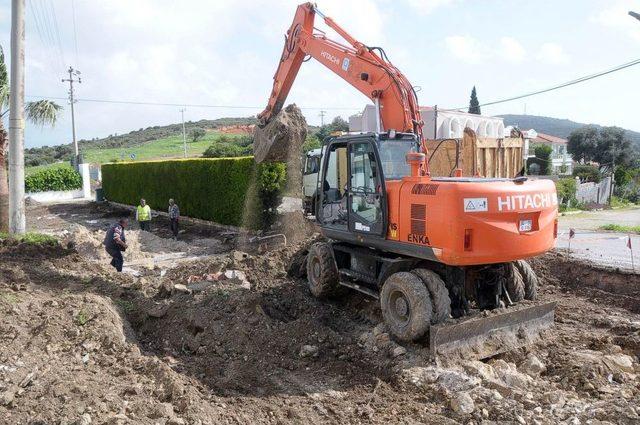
(483, 337)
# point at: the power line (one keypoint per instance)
(75, 32)
(57, 30)
(559, 86)
(133, 102)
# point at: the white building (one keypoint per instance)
(438, 123)
(561, 161)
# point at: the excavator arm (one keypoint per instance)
(365, 68)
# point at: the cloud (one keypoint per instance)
(552, 53)
(425, 7)
(616, 17)
(467, 48)
(511, 50)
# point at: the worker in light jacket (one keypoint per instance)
(143, 216)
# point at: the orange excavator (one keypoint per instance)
(436, 251)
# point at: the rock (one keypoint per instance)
(399, 351)
(533, 366)
(158, 310)
(509, 374)
(481, 369)
(7, 397)
(239, 277)
(176, 421)
(239, 256)
(179, 287)
(166, 289)
(27, 379)
(521, 420)
(85, 419)
(462, 403)
(308, 351)
(162, 410)
(619, 362)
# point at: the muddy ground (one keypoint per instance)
(175, 341)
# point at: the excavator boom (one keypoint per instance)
(365, 68)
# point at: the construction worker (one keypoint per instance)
(115, 242)
(143, 215)
(174, 215)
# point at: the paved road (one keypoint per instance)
(604, 248)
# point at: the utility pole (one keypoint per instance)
(17, 222)
(70, 80)
(184, 133)
(322, 114)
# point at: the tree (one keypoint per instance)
(474, 105)
(41, 112)
(197, 134)
(604, 145)
(338, 124)
(587, 173)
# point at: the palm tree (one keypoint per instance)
(41, 112)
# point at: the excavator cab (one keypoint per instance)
(352, 182)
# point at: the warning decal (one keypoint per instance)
(475, 204)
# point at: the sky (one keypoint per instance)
(226, 52)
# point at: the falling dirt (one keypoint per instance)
(81, 344)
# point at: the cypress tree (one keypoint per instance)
(474, 105)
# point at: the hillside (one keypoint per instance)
(146, 143)
(554, 126)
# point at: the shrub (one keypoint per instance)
(272, 177)
(197, 134)
(210, 189)
(566, 189)
(587, 173)
(59, 178)
(224, 150)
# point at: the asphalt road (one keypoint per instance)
(603, 248)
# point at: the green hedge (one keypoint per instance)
(58, 178)
(223, 190)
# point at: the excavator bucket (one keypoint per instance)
(281, 138)
(492, 332)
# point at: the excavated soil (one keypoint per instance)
(182, 344)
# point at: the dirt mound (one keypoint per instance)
(90, 243)
(282, 138)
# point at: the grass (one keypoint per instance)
(31, 238)
(30, 170)
(620, 229)
(82, 318)
(125, 305)
(169, 147)
(8, 297)
(166, 148)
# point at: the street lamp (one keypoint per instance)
(634, 14)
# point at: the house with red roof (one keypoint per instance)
(561, 161)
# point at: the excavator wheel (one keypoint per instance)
(515, 283)
(440, 300)
(530, 279)
(322, 273)
(406, 306)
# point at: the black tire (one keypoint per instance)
(440, 300)
(406, 306)
(515, 283)
(322, 274)
(530, 280)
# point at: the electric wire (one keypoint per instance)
(558, 86)
(75, 32)
(134, 102)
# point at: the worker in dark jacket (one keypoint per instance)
(115, 242)
(174, 216)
